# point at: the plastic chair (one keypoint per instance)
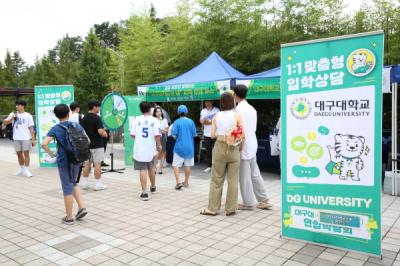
(201, 148)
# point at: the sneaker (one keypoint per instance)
(144, 196)
(66, 221)
(80, 214)
(207, 170)
(19, 172)
(100, 187)
(85, 186)
(103, 164)
(179, 186)
(27, 173)
(153, 189)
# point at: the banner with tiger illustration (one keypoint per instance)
(331, 91)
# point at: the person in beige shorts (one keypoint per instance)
(94, 129)
(97, 155)
(23, 136)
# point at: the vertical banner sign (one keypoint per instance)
(331, 136)
(133, 111)
(46, 97)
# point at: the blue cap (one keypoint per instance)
(182, 109)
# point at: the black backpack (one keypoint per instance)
(77, 148)
(10, 131)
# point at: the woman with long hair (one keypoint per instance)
(157, 113)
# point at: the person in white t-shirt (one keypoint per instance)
(251, 182)
(75, 115)
(163, 123)
(23, 136)
(146, 133)
(206, 117)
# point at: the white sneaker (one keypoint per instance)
(100, 187)
(207, 170)
(27, 173)
(85, 186)
(19, 172)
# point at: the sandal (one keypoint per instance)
(243, 207)
(264, 205)
(207, 212)
(230, 213)
(67, 221)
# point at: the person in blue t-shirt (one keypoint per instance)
(183, 131)
(68, 179)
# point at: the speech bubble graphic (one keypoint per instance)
(307, 172)
(298, 143)
(315, 151)
(323, 130)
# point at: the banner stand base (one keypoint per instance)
(333, 247)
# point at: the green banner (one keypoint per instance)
(331, 141)
(184, 92)
(46, 97)
(133, 111)
(262, 88)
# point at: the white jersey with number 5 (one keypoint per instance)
(145, 128)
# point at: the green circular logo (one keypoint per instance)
(298, 143)
(66, 96)
(301, 108)
(315, 151)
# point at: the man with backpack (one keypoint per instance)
(72, 151)
(95, 130)
(23, 135)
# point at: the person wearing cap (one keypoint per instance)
(184, 132)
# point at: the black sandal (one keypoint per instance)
(66, 221)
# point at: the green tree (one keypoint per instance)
(108, 33)
(2, 78)
(45, 72)
(142, 46)
(10, 77)
(68, 51)
(93, 74)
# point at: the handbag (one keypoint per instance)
(234, 136)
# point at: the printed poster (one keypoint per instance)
(46, 98)
(331, 141)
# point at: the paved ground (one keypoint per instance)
(168, 230)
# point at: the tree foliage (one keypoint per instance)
(93, 73)
(147, 48)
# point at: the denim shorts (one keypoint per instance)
(66, 183)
